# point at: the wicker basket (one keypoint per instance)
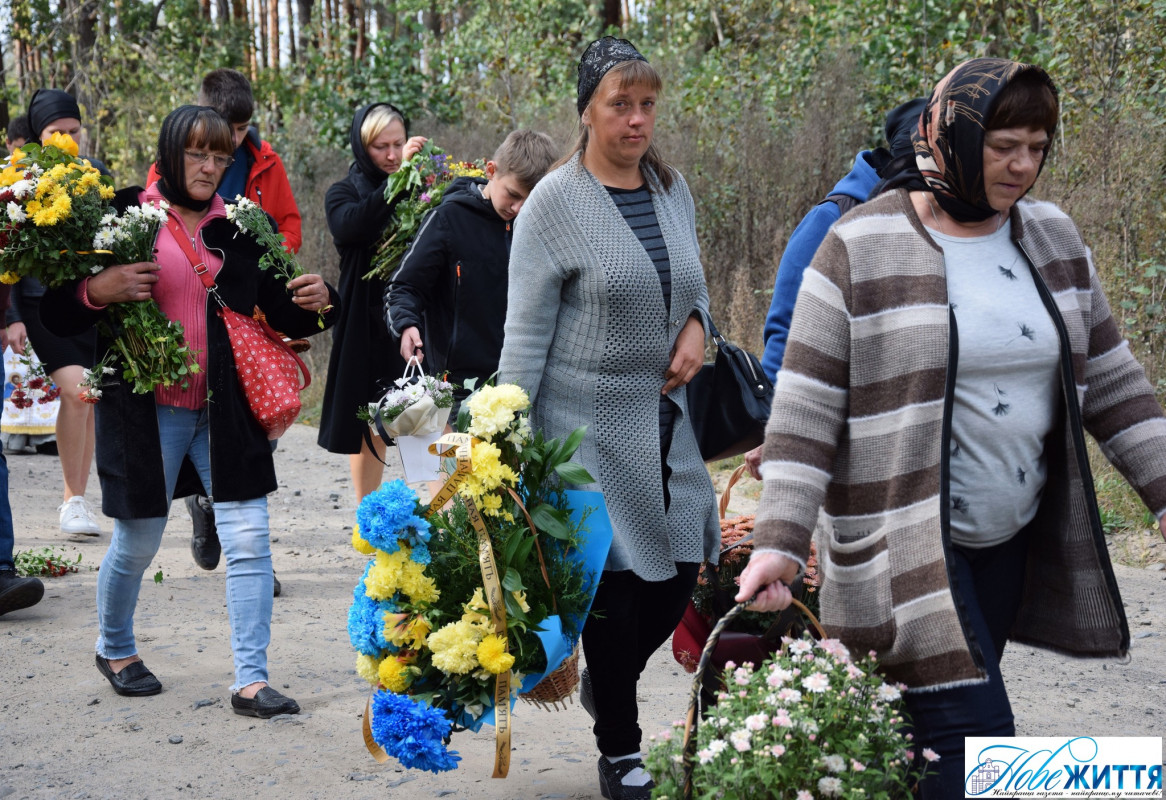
(552, 692)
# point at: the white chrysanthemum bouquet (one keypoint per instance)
(809, 722)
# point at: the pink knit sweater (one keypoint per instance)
(182, 297)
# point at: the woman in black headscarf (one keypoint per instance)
(65, 358)
(950, 346)
(364, 357)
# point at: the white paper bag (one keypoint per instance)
(416, 460)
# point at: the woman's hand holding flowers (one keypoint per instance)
(768, 575)
(412, 147)
(123, 283)
(309, 292)
(687, 356)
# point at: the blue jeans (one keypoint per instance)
(990, 585)
(243, 532)
(7, 540)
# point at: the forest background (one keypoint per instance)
(766, 103)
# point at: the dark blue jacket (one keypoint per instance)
(798, 254)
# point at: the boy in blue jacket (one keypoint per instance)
(453, 278)
(853, 189)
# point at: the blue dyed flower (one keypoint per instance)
(412, 731)
(390, 514)
(420, 553)
(366, 621)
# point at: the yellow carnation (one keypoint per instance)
(63, 141)
(395, 675)
(493, 656)
(9, 278)
(393, 572)
(487, 476)
(493, 408)
(455, 647)
(367, 667)
(359, 544)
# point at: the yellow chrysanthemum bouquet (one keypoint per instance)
(477, 597)
(53, 203)
(58, 227)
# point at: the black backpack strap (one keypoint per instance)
(844, 202)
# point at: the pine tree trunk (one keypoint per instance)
(307, 40)
(273, 34)
(260, 12)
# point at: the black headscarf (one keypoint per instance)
(949, 142)
(599, 57)
(49, 105)
(364, 162)
(171, 160)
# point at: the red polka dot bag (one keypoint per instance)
(269, 372)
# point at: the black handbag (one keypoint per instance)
(729, 401)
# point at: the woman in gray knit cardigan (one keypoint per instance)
(604, 328)
(950, 345)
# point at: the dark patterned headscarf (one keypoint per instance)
(949, 142)
(599, 57)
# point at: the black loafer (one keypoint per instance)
(276, 588)
(611, 783)
(205, 548)
(134, 680)
(265, 704)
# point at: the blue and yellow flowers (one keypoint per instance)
(421, 620)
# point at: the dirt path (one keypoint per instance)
(65, 734)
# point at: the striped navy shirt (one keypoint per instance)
(637, 210)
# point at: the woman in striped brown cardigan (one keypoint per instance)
(950, 345)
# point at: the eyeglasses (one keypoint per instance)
(222, 162)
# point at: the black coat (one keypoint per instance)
(129, 453)
(452, 284)
(365, 358)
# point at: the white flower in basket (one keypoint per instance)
(414, 413)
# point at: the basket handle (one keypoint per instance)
(693, 719)
(725, 495)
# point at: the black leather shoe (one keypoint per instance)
(267, 703)
(134, 680)
(277, 588)
(17, 592)
(204, 541)
(611, 783)
(586, 698)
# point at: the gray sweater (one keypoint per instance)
(588, 337)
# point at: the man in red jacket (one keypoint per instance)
(257, 173)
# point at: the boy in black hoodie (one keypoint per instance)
(453, 277)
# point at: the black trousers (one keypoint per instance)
(633, 617)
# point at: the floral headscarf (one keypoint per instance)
(949, 143)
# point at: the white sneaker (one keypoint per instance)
(77, 517)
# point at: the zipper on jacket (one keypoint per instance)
(953, 353)
(457, 286)
(1069, 387)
